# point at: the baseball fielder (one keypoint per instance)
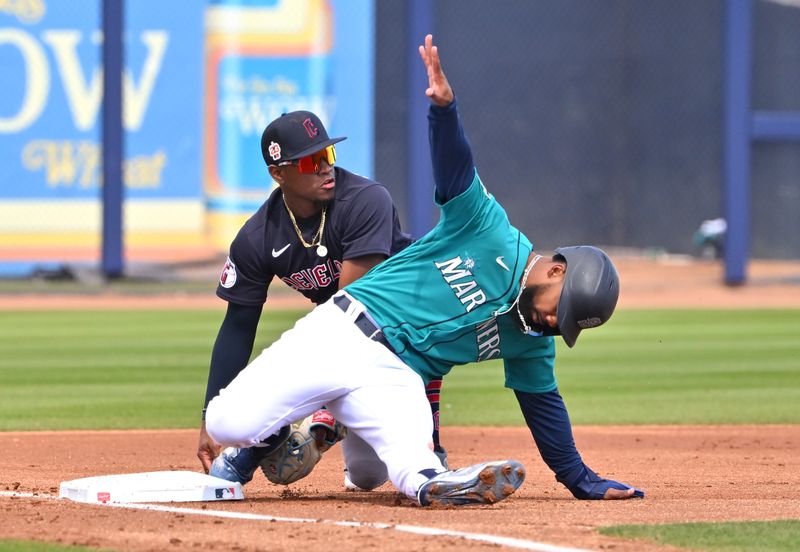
(321, 229)
(472, 289)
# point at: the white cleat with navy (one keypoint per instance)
(484, 483)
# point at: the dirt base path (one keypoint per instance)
(702, 473)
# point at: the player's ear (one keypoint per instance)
(276, 173)
(557, 269)
(558, 266)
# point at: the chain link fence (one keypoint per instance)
(602, 121)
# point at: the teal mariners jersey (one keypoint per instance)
(457, 286)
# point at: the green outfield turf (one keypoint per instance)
(11, 545)
(147, 369)
(657, 367)
(762, 536)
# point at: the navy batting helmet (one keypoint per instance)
(590, 292)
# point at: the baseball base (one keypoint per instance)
(163, 486)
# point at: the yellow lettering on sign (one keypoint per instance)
(66, 164)
(77, 164)
(27, 11)
(144, 171)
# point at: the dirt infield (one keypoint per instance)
(705, 473)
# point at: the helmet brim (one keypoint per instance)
(567, 325)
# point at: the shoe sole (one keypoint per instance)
(492, 484)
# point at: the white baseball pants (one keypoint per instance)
(326, 360)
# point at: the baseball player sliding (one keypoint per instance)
(321, 229)
(472, 289)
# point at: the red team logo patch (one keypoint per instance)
(310, 128)
(274, 150)
(228, 276)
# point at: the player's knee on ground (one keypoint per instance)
(367, 475)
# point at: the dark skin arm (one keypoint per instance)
(353, 269)
(232, 348)
(207, 449)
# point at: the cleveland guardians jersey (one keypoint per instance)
(361, 220)
(456, 308)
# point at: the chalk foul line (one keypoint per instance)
(509, 542)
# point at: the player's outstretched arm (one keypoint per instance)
(230, 355)
(439, 90)
(547, 418)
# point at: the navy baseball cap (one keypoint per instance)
(294, 135)
(590, 292)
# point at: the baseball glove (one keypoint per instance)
(296, 457)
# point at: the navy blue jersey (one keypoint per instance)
(362, 220)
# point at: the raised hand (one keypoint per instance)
(439, 90)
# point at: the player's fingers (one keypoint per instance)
(205, 459)
(618, 494)
(426, 47)
(423, 54)
(437, 66)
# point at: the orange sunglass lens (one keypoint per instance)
(310, 163)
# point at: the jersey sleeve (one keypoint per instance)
(453, 166)
(370, 224)
(533, 372)
(245, 278)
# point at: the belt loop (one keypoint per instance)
(346, 303)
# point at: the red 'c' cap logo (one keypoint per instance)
(310, 128)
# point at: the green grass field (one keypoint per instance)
(772, 536)
(12, 545)
(147, 369)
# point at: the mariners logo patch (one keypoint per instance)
(274, 150)
(228, 276)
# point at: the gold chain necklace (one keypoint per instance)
(316, 239)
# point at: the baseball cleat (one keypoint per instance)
(238, 464)
(484, 483)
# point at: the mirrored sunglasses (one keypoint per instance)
(310, 164)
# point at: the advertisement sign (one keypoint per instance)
(268, 57)
(202, 78)
(50, 109)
